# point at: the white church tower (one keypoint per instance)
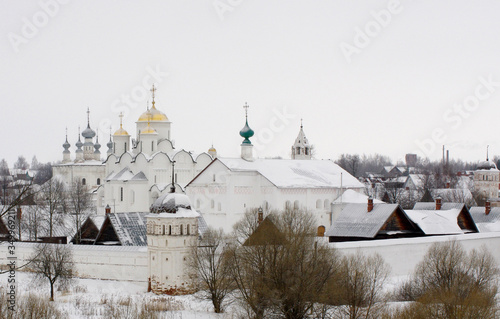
(301, 149)
(121, 139)
(172, 232)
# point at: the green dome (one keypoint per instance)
(246, 132)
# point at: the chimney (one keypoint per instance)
(487, 207)
(108, 209)
(447, 184)
(438, 203)
(370, 204)
(260, 216)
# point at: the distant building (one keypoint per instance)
(486, 179)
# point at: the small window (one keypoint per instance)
(307, 150)
(152, 146)
(296, 204)
(121, 194)
(176, 177)
(321, 231)
(197, 203)
(298, 150)
(327, 204)
(181, 230)
(318, 204)
(187, 229)
(163, 230)
(219, 207)
(84, 182)
(170, 229)
(98, 181)
(212, 204)
(213, 178)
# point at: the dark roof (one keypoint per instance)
(128, 228)
(356, 221)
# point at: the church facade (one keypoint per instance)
(230, 186)
(141, 169)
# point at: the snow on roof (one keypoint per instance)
(130, 228)
(356, 221)
(486, 223)
(296, 173)
(85, 163)
(436, 222)
(351, 196)
(173, 205)
(126, 175)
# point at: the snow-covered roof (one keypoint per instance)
(130, 228)
(296, 173)
(126, 175)
(436, 222)
(173, 205)
(356, 221)
(351, 196)
(85, 163)
(486, 223)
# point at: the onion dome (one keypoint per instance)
(173, 203)
(110, 144)
(212, 149)
(246, 132)
(486, 165)
(88, 132)
(66, 144)
(121, 131)
(153, 114)
(149, 130)
(79, 145)
(97, 146)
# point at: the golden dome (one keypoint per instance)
(120, 131)
(212, 149)
(152, 115)
(149, 130)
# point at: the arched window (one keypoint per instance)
(318, 204)
(327, 204)
(163, 233)
(296, 204)
(84, 181)
(212, 204)
(132, 196)
(321, 231)
(181, 230)
(288, 205)
(187, 229)
(98, 181)
(170, 229)
(121, 194)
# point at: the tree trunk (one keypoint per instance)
(51, 291)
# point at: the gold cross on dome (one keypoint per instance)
(153, 89)
(121, 118)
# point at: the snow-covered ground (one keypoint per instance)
(92, 298)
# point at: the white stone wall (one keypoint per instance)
(99, 262)
(131, 263)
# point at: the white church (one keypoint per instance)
(230, 186)
(136, 170)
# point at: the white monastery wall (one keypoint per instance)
(131, 264)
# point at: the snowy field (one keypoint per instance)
(92, 298)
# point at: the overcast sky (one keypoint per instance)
(368, 77)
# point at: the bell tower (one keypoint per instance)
(301, 149)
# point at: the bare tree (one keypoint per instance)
(280, 270)
(209, 260)
(80, 205)
(52, 197)
(21, 163)
(358, 286)
(33, 222)
(52, 262)
(451, 283)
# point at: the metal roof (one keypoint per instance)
(356, 221)
(130, 228)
